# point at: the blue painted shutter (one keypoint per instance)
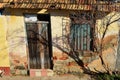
(80, 36)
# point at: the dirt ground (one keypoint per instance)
(65, 77)
(39, 78)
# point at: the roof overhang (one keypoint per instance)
(59, 4)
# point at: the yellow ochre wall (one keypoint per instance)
(4, 54)
(13, 53)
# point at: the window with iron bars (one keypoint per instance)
(82, 31)
(81, 37)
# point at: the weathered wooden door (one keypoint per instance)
(38, 44)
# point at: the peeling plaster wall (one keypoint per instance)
(4, 52)
(56, 27)
(110, 44)
(16, 39)
(109, 51)
(4, 59)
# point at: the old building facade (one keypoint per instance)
(37, 36)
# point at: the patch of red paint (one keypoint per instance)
(43, 72)
(32, 72)
(16, 61)
(38, 72)
(54, 58)
(63, 58)
(6, 70)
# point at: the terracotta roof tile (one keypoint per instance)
(59, 4)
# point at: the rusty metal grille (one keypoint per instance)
(37, 35)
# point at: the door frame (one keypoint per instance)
(49, 39)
